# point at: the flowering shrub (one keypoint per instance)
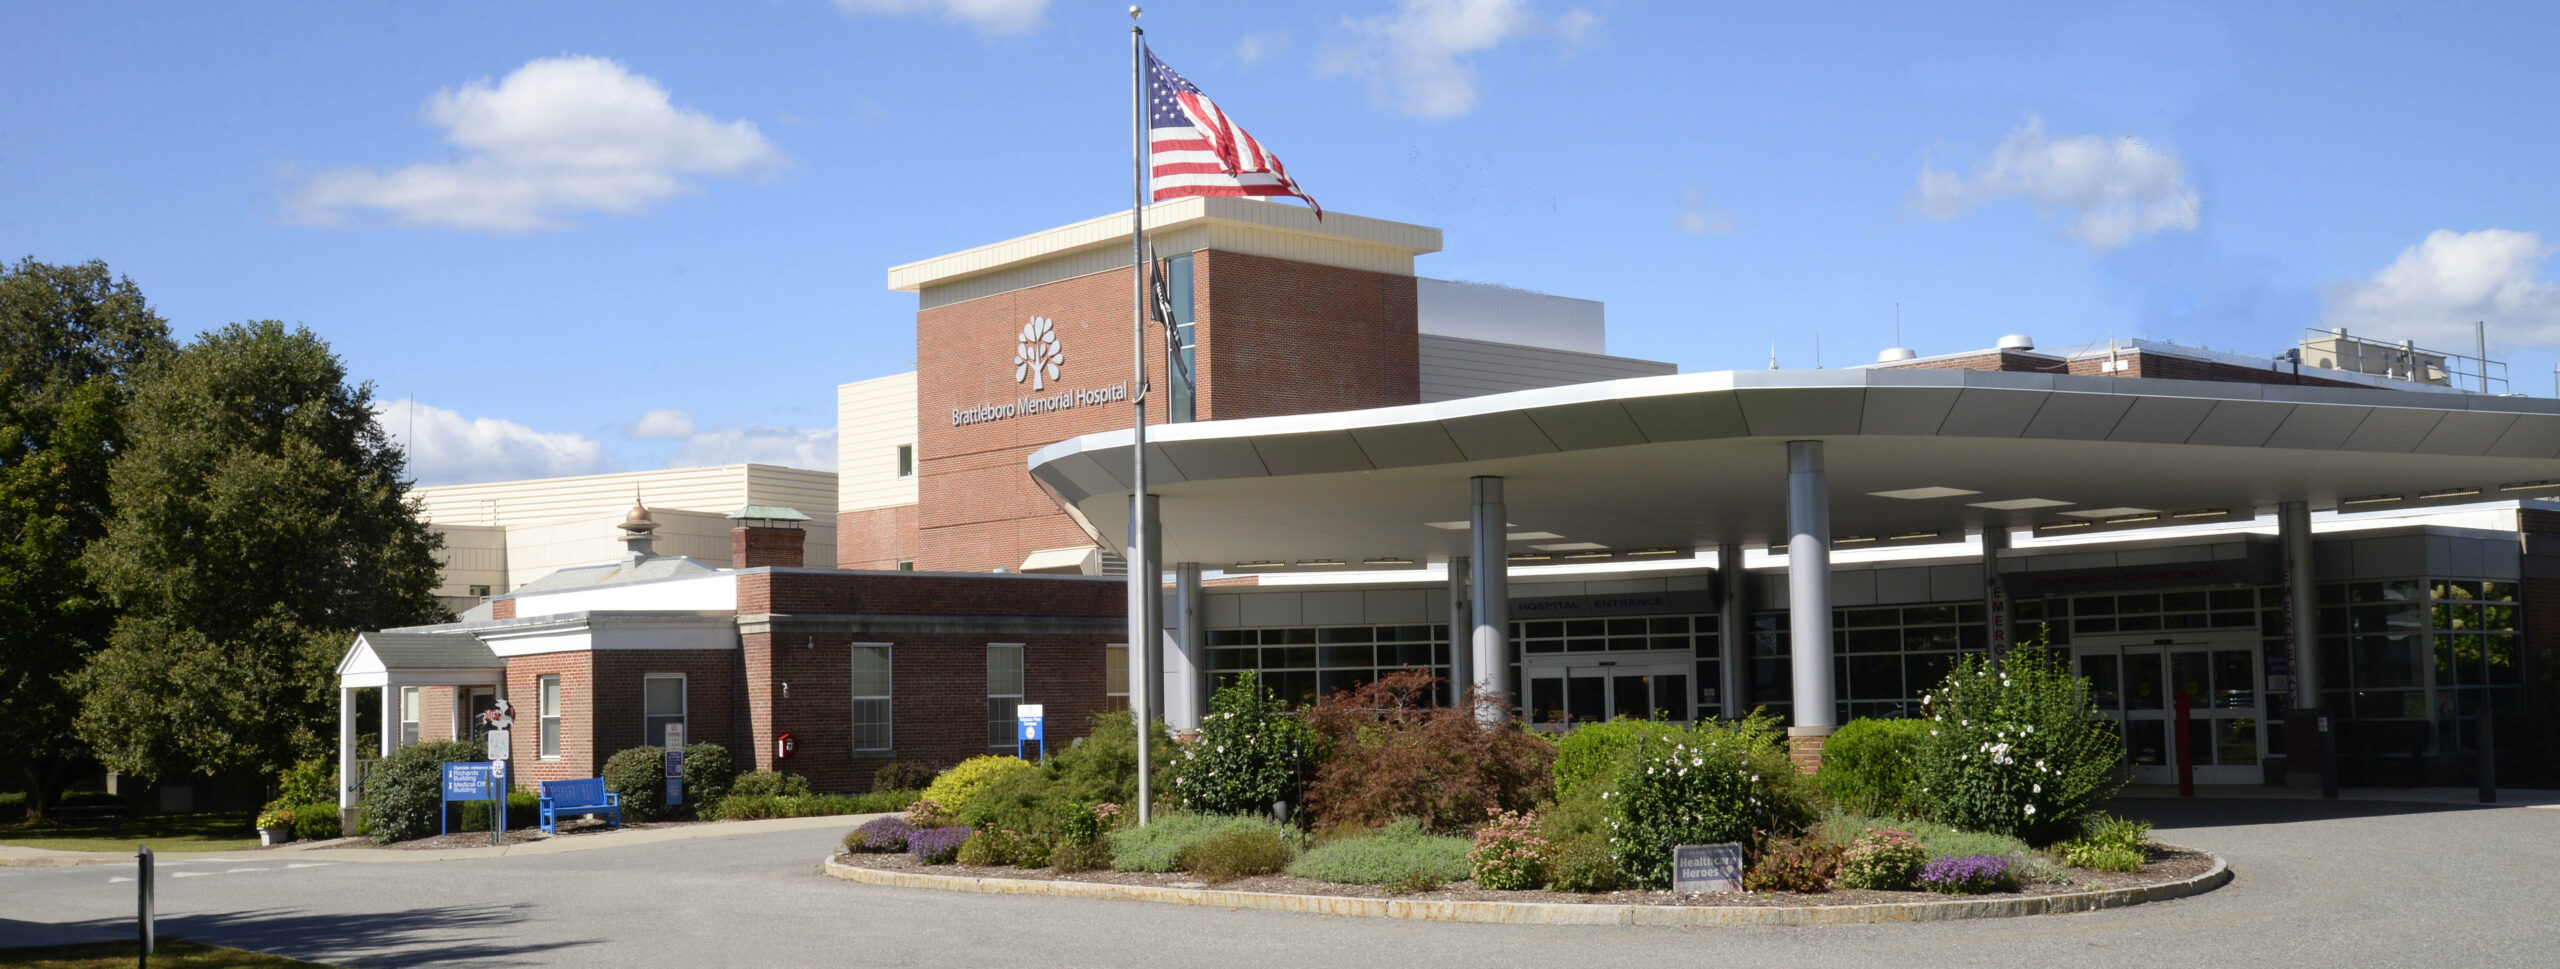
(1004, 846)
(937, 846)
(2017, 749)
(1591, 758)
(1883, 858)
(1722, 783)
(1085, 824)
(1968, 875)
(1387, 752)
(277, 815)
(1249, 754)
(1510, 854)
(927, 813)
(879, 836)
(1805, 865)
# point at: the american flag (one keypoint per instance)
(1195, 149)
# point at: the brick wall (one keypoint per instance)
(578, 755)
(713, 697)
(1273, 337)
(757, 547)
(876, 538)
(1282, 337)
(906, 594)
(435, 713)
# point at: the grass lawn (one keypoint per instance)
(173, 954)
(229, 831)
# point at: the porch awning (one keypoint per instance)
(419, 659)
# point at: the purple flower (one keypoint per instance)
(881, 835)
(1968, 875)
(937, 846)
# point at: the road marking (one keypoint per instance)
(311, 864)
(190, 874)
(118, 878)
(236, 871)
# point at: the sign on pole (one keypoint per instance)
(1032, 728)
(675, 764)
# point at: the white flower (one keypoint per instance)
(2038, 789)
(2031, 810)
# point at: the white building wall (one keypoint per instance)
(1502, 314)
(873, 419)
(1455, 367)
(547, 524)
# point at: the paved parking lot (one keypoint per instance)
(2355, 883)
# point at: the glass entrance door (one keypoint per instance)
(2135, 684)
(1592, 693)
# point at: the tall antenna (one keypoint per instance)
(1817, 349)
(1773, 354)
(1897, 324)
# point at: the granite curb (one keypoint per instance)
(1554, 913)
(17, 856)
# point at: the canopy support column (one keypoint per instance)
(1809, 602)
(1492, 598)
(2309, 719)
(1733, 632)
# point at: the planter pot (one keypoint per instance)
(276, 835)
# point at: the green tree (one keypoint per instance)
(71, 337)
(261, 519)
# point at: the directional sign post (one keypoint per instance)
(499, 717)
(1033, 729)
(675, 764)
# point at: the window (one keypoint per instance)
(1004, 693)
(906, 565)
(408, 715)
(1183, 399)
(1115, 676)
(662, 703)
(478, 590)
(870, 698)
(469, 704)
(906, 460)
(548, 687)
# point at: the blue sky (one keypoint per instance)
(592, 237)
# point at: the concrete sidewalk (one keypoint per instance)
(13, 856)
(2465, 796)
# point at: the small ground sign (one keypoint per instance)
(1706, 868)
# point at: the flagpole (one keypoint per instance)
(1142, 645)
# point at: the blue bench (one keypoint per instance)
(569, 799)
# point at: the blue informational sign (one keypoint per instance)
(467, 781)
(1030, 730)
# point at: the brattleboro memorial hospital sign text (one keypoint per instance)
(1037, 360)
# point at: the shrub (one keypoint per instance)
(1882, 858)
(1868, 766)
(524, 810)
(278, 814)
(318, 822)
(1802, 865)
(1510, 855)
(1385, 752)
(1092, 855)
(1250, 752)
(1087, 823)
(1158, 845)
(2112, 844)
(1968, 875)
(403, 794)
(1590, 759)
(901, 776)
(926, 812)
(1237, 853)
(2017, 749)
(1401, 854)
(998, 846)
(1582, 863)
(766, 783)
(640, 776)
(958, 789)
(743, 807)
(708, 773)
(937, 846)
(1729, 782)
(1943, 841)
(312, 780)
(880, 835)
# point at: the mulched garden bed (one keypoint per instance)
(2165, 865)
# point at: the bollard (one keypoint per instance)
(2488, 757)
(142, 888)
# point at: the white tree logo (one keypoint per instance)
(1036, 355)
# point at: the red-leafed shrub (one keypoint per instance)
(1385, 752)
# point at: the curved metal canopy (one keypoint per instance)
(1692, 460)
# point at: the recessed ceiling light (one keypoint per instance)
(1452, 526)
(2450, 493)
(2203, 513)
(1909, 536)
(1853, 539)
(2111, 512)
(1387, 561)
(1569, 547)
(2018, 504)
(1589, 555)
(1531, 536)
(2133, 519)
(1531, 558)
(1259, 565)
(1654, 551)
(2058, 526)
(2529, 485)
(2370, 500)
(1916, 494)
(1323, 562)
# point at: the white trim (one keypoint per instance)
(560, 705)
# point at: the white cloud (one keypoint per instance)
(1418, 59)
(2439, 288)
(559, 136)
(445, 447)
(1697, 218)
(988, 16)
(1259, 45)
(2116, 189)
(663, 424)
(796, 447)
